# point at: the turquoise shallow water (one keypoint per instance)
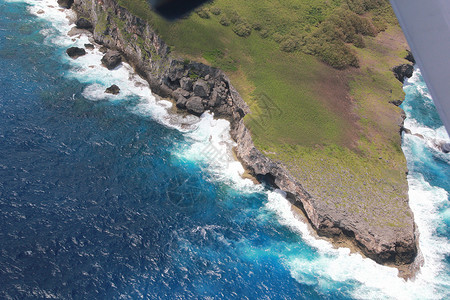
(114, 197)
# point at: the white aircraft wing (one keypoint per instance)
(426, 24)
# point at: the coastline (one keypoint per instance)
(153, 61)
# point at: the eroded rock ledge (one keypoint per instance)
(197, 87)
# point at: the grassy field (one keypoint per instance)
(293, 62)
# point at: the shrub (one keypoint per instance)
(242, 29)
(358, 41)
(379, 23)
(277, 37)
(314, 15)
(203, 13)
(264, 33)
(235, 18)
(337, 55)
(289, 45)
(257, 26)
(215, 11)
(224, 21)
(362, 6)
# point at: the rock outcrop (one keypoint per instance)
(403, 71)
(446, 148)
(197, 87)
(111, 59)
(75, 52)
(65, 3)
(83, 23)
(113, 89)
(410, 57)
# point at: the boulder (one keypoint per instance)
(114, 89)
(403, 71)
(180, 92)
(103, 49)
(111, 59)
(194, 105)
(446, 148)
(181, 102)
(65, 3)
(396, 102)
(75, 52)
(217, 96)
(186, 83)
(89, 46)
(83, 23)
(201, 88)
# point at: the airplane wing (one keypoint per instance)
(426, 24)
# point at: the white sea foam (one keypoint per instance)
(211, 145)
(379, 282)
(376, 282)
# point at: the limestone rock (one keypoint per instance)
(114, 89)
(180, 92)
(446, 148)
(65, 3)
(194, 105)
(186, 83)
(75, 52)
(181, 102)
(217, 97)
(201, 88)
(111, 59)
(89, 46)
(410, 57)
(396, 102)
(403, 71)
(83, 23)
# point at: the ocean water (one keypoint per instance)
(117, 197)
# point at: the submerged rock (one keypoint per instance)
(114, 89)
(111, 59)
(83, 23)
(75, 52)
(65, 3)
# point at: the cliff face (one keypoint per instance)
(197, 87)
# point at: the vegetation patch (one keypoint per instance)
(323, 68)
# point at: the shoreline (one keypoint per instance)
(233, 109)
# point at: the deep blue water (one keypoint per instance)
(94, 203)
(88, 206)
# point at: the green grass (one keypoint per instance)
(293, 119)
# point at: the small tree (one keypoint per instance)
(242, 29)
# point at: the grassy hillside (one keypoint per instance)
(316, 75)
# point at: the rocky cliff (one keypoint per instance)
(196, 87)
